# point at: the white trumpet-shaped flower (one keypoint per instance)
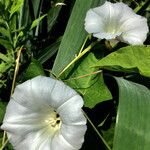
(116, 21)
(45, 114)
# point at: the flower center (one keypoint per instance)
(110, 29)
(53, 121)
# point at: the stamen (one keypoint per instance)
(53, 121)
(57, 115)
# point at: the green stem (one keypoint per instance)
(102, 139)
(77, 57)
(87, 37)
(4, 136)
(3, 146)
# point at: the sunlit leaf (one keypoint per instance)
(4, 57)
(36, 22)
(132, 59)
(16, 6)
(7, 61)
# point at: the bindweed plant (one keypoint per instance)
(74, 74)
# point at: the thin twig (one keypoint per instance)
(87, 37)
(78, 57)
(85, 75)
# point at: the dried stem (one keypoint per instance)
(4, 143)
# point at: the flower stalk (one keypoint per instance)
(81, 53)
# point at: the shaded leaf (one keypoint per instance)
(88, 81)
(36, 7)
(33, 70)
(128, 59)
(2, 22)
(5, 43)
(74, 36)
(49, 51)
(133, 121)
(2, 110)
(5, 32)
(109, 134)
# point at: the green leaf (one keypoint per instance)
(74, 36)
(34, 69)
(4, 67)
(2, 22)
(37, 21)
(36, 4)
(4, 57)
(6, 44)
(5, 32)
(2, 110)
(132, 130)
(7, 4)
(6, 62)
(24, 16)
(88, 81)
(2, 82)
(17, 4)
(128, 59)
(49, 51)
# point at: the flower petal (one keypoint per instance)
(42, 92)
(60, 94)
(40, 140)
(135, 30)
(34, 94)
(74, 134)
(50, 92)
(31, 122)
(70, 112)
(93, 22)
(21, 121)
(116, 20)
(61, 143)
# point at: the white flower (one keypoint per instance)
(45, 114)
(116, 21)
